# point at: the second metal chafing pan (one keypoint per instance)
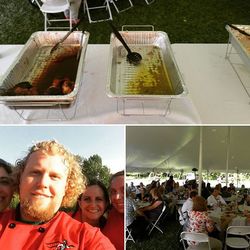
(157, 76)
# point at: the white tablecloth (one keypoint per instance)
(93, 105)
(216, 95)
(216, 215)
(214, 87)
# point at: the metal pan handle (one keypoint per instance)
(138, 27)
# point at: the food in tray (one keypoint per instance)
(150, 77)
(58, 87)
(22, 88)
(49, 75)
(243, 39)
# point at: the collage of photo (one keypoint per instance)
(124, 125)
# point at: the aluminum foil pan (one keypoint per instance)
(240, 42)
(32, 62)
(156, 77)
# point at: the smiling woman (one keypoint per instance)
(92, 204)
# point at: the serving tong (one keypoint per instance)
(56, 46)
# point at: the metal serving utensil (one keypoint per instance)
(133, 57)
(240, 30)
(65, 37)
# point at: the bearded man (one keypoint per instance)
(48, 178)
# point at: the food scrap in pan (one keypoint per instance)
(57, 87)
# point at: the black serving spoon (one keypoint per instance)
(132, 57)
(240, 30)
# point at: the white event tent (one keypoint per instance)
(182, 148)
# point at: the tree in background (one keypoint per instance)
(93, 168)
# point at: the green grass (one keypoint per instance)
(185, 21)
(157, 241)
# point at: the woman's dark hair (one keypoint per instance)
(7, 166)
(94, 182)
(98, 183)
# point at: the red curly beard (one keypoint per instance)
(34, 212)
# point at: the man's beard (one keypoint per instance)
(34, 211)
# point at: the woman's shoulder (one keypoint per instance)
(156, 202)
(197, 213)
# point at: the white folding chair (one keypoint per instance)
(129, 235)
(53, 7)
(123, 7)
(200, 241)
(183, 219)
(98, 17)
(241, 242)
(155, 224)
(149, 2)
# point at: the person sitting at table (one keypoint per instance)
(188, 204)
(148, 213)
(225, 193)
(243, 189)
(231, 188)
(215, 200)
(245, 200)
(152, 211)
(92, 204)
(186, 207)
(218, 186)
(200, 222)
(138, 193)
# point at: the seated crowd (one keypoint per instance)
(49, 181)
(194, 212)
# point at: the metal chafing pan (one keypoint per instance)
(34, 58)
(157, 76)
(240, 42)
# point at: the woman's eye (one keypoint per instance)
(34, 172)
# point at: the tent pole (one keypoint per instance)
(228, 152)
(200, 160)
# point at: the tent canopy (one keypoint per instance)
(176, 148)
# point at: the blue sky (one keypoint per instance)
(106, 141)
